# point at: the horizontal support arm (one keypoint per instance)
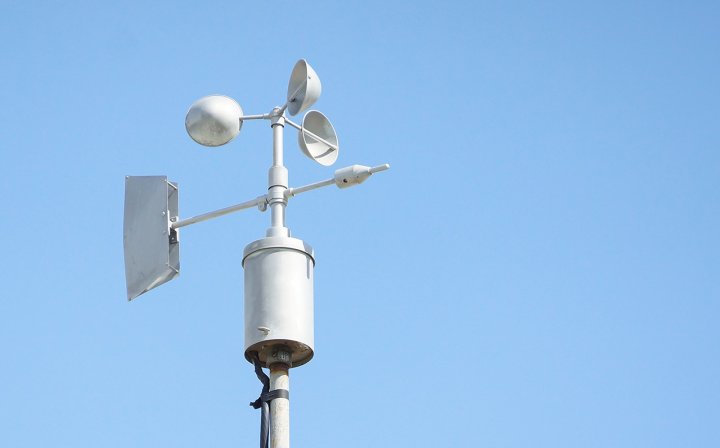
(256, 117)
(291, 192)
(259, 201)
(344, 177)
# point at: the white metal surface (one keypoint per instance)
(343, 178)
(352, 175)
(304, 88)
(214, 120)
(259, 202)
(292, 192)
(310, 134)
(152, 252)
(277, 182)
(317, 138)
(279, 297)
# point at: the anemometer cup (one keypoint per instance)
(304, 88)
(214, 120)
(315, 124)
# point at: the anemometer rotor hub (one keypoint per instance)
(276, 117)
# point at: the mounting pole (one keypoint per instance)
(277, 179)
(279, 363)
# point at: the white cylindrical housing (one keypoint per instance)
(279, 298)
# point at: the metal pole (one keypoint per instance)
(277, 127)
(279, 407)
(277, 181)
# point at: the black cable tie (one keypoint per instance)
(266, 396)
(273, 394)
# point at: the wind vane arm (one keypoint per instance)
(260, 202)
(344, 178)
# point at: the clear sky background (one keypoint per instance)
(539, 267)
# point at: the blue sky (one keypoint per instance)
(539, 267)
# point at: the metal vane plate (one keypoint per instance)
(152, 249)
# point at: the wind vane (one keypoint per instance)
(278, 300)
